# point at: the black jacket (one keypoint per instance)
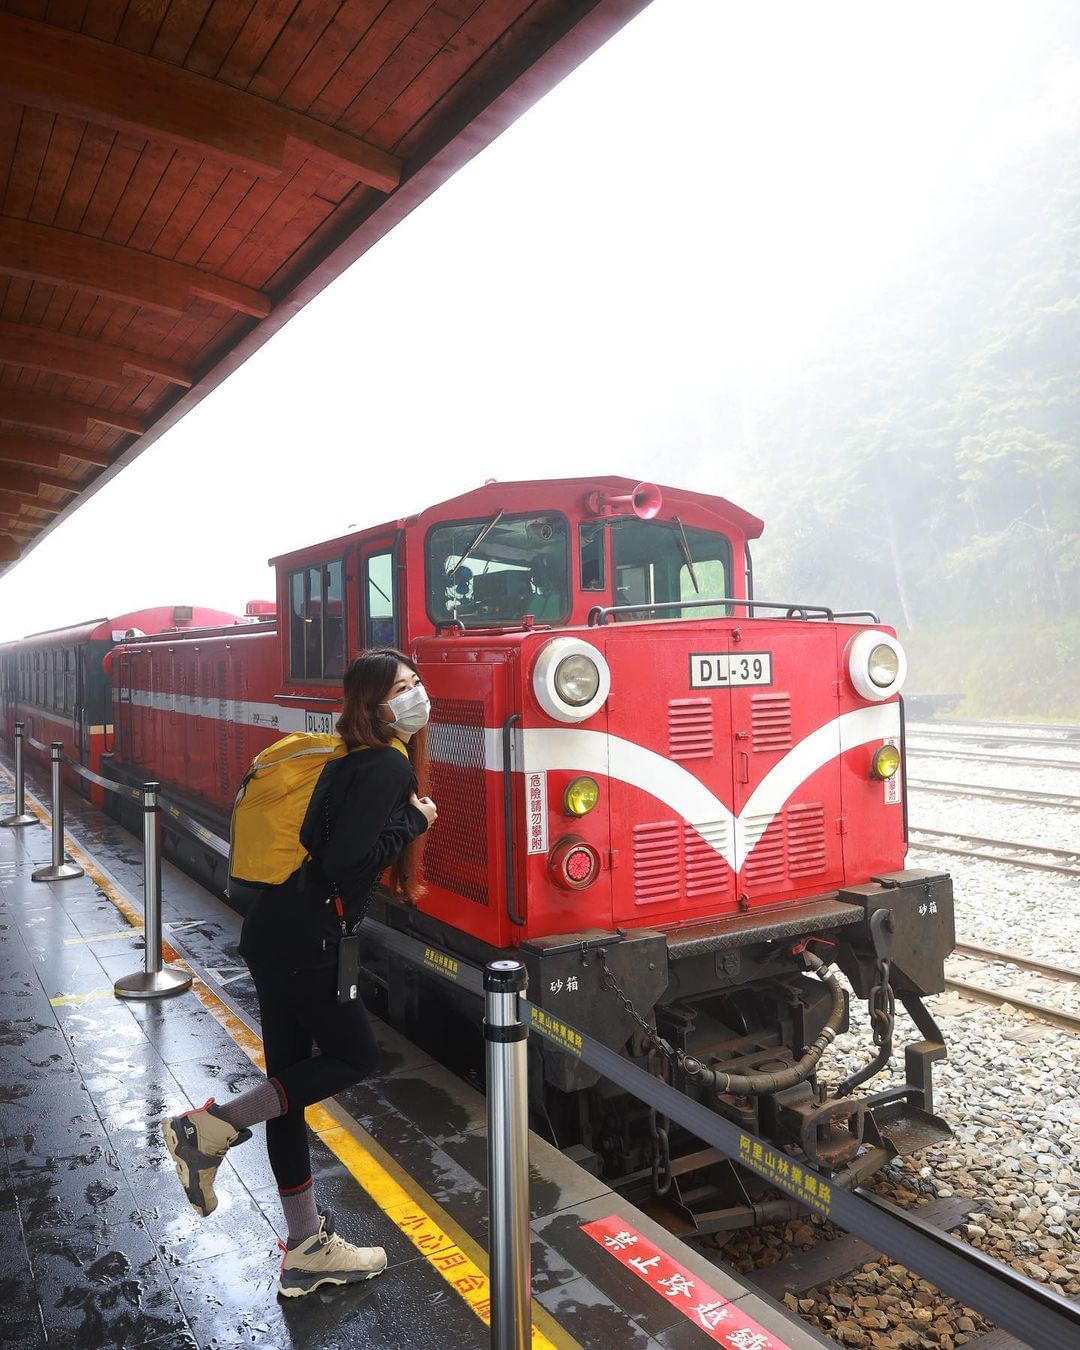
(358, 822)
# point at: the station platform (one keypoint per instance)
(99, 1247)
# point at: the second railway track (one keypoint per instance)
(1005, 851)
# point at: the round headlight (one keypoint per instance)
(581, 796)
(570, 679)
(883, 665)
(876, 665)
(577, 679)
(886, 761)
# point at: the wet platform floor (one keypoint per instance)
(98, 1245)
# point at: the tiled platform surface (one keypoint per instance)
(99, 1248)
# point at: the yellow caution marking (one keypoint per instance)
(448, 1249)
(97, 937)
(73, 1000)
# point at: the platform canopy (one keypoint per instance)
(179, 177)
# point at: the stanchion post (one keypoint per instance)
(508, 1156)
(21, 816)
(155, 979)
(59, 870)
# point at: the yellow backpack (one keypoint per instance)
(265, 847)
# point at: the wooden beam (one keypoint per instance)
(58, 353)
(46, 454)
(19, 480)
(53, 480)
(42, 253)
(20, 524)
(10, 501)
(58, 414)
(65, 72)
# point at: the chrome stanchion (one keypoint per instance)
(59, 870)
(21, 816)
(508, 1156)
(154, 979)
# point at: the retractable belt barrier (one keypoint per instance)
(1030, 1311)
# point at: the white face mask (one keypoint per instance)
(411, 709)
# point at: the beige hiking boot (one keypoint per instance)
(326, 1258)
(198, 1141)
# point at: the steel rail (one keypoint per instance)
(1017, 959)
(942, 753)
(993, 857)
(980, 993)
(994, 842)
(1056, 735)
(991, 792)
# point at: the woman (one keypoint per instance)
(364, 815)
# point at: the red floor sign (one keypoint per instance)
(717, 1316)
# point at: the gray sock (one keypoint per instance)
(301, 1213)
(252, 1108)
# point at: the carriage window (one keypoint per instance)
(490, 572)
(317, 623)
(380, 612)
(661, 561)
(591, 543)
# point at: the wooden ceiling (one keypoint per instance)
(179, 177)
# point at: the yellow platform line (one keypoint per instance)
(443, 1243)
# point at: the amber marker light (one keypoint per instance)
(886, 761)
(581, 796)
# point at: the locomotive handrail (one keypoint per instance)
(508, 815)
(451, 625)
(1041, 1317)
(600, 614)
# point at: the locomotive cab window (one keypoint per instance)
(380, 611)
(656, 562)
(489, 573)
(317, 623)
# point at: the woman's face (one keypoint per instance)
(405, 679)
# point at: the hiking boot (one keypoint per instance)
(326, 1258)
(198, 1140)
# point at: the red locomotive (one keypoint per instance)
(670, 798)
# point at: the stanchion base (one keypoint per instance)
(65, 872)
(142, 984)
(25, 819)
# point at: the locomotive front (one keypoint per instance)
(684, 807)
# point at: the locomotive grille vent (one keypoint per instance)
(455, 855)
(770, 716)
(806, 839)
(690, 728)
(673, 859)
(789, 845)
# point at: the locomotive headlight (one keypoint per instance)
(571, 679)
(577, 678)
(886, 761)
(883, 665)
(581, 796)
(877, 665)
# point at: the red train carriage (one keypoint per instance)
(647, 778)
(57, 682)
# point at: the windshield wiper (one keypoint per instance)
(684, 549)
(485, 530)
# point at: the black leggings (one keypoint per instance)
(299, 1011)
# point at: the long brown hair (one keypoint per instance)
(367, 682)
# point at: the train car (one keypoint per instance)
(680, 804)
(58, 682)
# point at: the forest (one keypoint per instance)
(928, 464)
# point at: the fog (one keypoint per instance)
(675, 267)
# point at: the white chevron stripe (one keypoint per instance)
(575, 750)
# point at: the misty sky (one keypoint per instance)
(613, 287)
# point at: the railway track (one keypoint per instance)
(982, 993)
(989, 792)
(1012, 847)
(1056, 733)
(940, 752)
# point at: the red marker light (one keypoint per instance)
(574, 864)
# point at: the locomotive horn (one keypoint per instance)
(645, 502)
